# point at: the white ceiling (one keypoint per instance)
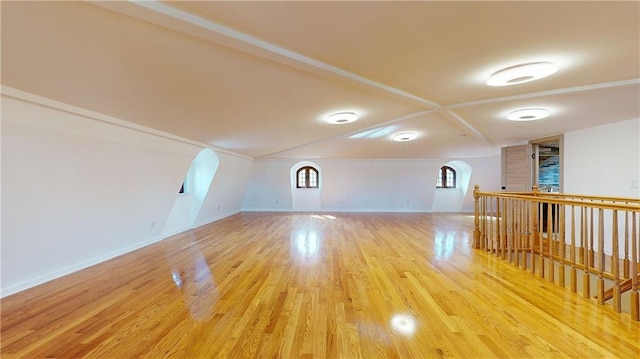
(258, 78)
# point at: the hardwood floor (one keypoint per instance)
(301, 285)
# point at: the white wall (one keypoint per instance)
(305, 199)
(453, 199)
(603, 160)
(365, 185)
(227, 190)
(269, 187)
(77, 191)
(196, 186)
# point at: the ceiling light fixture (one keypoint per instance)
(342, 117)
(522, 73)
(528, 114)
(405, 136)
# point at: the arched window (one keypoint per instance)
(307, 177)
(446, 178)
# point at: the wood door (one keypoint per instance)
(517, 174)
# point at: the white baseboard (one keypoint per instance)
(216, 218)
(266, 209)
(43, 278)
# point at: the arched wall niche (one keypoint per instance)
(452, 199)
(306, 199)
(197, 182)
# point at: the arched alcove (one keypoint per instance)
(306, 199)
(452, 199)
(196, 185)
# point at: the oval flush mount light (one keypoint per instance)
(342, 117)
(528, 114)
(405, 136)
(522, 73)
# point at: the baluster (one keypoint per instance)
(505, 229)
(572, 252)
(512, 208)
(512, 229)
(534, 233)
(476, 221)
(615, 264)
(485, 225)
(489, 220)
(541, 242)
(600, 256)
(592, 256)
(533, 218)
(526, 239)
(524, 234)
(586, 278)
(498, 220)
(483, 220)
(496, 229)
(498, 234)
(561, 243)
(518, 231)
(635, 297)
(485, 242)
(583, 235)
(550, 241)
(625, 262)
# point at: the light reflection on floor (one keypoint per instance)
(324, 216)
(492, 218)
(194, 280)
(404, 324)
(444, 243)
(305, 245)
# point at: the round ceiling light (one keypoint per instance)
(528, 114)
(342, 117)
(405, 136)
(522, 73)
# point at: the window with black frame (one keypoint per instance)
(446, 178)
(307, 177)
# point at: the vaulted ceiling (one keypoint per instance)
(259, 78)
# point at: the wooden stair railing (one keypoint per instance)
(625, 286)
(555, 234)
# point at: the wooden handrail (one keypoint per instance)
(629, 204)
(550, 233)
(625, 286)
(568, 195)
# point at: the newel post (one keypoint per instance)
(476, 231)
(535, 206)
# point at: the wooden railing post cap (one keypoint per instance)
(535, 190)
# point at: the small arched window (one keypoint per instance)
(446, 178)
(307, 177)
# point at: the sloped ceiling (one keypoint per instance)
(258, 78)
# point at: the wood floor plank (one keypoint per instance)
(302, 285)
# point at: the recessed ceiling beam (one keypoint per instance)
(563, 91)
(254, 41)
